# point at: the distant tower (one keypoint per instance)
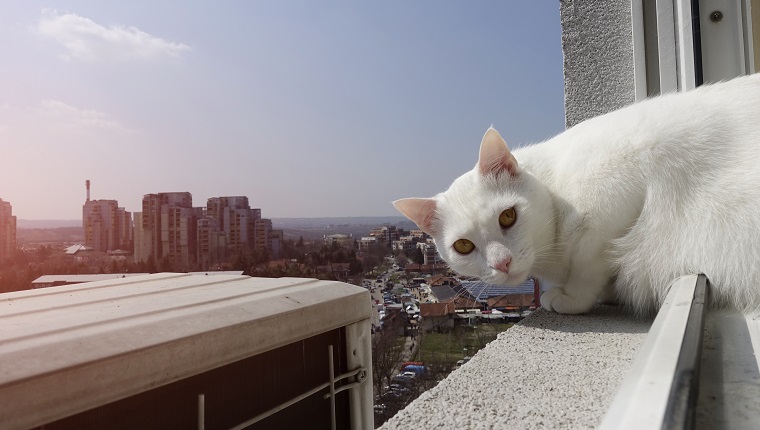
(87, 183)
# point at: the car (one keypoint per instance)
(398, 389)
(409, 375)
(400, 380)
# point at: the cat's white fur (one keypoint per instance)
(633, 199)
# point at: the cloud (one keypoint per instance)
(70, 116)
(86, 40)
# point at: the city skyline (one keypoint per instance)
(310, 109)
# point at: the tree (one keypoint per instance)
(402, 260)
(386, 351)
(356, 266)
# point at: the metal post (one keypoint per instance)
(201, 412)
(332, 386)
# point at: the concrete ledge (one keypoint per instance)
(549, 371)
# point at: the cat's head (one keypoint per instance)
(492, 222)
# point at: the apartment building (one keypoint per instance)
(179, 237)
(141, 239)
(366, 242)
(236, 219)
(168, 229)
(107, 227)
(263, 234)
(212, 244)
(7, 231)
(430, 254)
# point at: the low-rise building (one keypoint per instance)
(344, 240)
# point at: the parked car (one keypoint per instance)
(400, 380)
(399, 389)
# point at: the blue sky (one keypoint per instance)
(309, 108)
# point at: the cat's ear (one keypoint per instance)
(419, 211)
(495, 156)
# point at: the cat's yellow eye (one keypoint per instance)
(507, 217)
(463, 246)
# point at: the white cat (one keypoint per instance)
(633, 199)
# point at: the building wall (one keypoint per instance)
(263, 234)
(430, 254)
(125, 228)
(179, 235)
(7, 231)
(236, 219)
(212, 244)
(169, 223)
(142, 242)
(278, 239)
(597, 44)
(107, 227)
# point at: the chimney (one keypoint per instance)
(87, 183)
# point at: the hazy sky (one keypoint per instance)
(309, 108)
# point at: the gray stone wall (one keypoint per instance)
(597, 45)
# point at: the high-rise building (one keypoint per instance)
(107, 227)
(263, 235)
(142, 239)
(236, 219)
(168, 229)
(7, 231)
(278, 240)
(212, 244)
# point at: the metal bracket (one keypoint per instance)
(358, 375)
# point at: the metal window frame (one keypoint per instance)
(676, 47)
(661, 389)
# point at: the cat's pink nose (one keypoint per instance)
(503, 266)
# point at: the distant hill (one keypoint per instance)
(279, 223)
(50, 235)
(317, 228)
(47, 223)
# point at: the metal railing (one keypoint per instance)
(355, 377)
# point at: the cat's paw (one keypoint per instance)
(559, 301)
(548, 297)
